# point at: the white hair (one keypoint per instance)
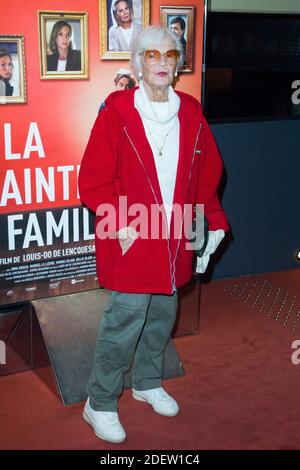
(149, 37)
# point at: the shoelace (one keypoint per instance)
(160, 394)
(110, 417)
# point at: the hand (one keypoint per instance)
(202, 264)
(126, 236)
(214, 239)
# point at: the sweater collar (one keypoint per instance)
(150, 113)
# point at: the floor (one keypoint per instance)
(240, 389)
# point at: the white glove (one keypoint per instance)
(214, 239)
(126, 236)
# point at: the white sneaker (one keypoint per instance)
(106, 424)
(161, 402)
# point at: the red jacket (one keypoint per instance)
(118, 161)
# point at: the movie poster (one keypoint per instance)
(44, 250)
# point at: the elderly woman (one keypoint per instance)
(152, 147)
(62, 56)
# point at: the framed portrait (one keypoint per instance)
(12, 69)
(121, 21)
(63, 45)
(181, 21)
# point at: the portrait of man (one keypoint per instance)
(6, 70)
(124, 29)
(178, 26)
(180, 20)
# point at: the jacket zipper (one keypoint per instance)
(189, 179)
(153, 192)
(171, 265)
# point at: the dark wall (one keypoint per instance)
(260, 193)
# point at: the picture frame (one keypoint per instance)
(63, 45)
(183, 27)
(113, 42)
(12, 69)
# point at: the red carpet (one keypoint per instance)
(240, 391)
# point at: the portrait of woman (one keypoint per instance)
(63, 45)
(6, 69)
(125, 29)
(12, 70)
(62, 56)
(121, 22)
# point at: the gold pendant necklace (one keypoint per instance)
(160, 149)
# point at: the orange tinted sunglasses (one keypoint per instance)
(153, 56)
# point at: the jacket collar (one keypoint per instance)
(189, 129)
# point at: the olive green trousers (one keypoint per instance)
(134, 330)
